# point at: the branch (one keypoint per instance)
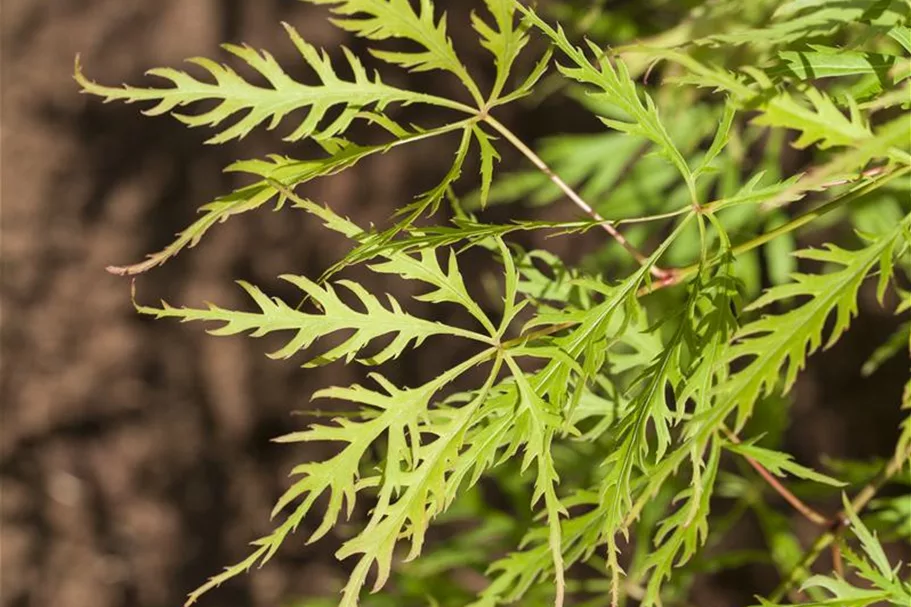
(809, 513)
(586, 208)
(675, 276)
(840, 521)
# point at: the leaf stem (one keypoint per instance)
(606, 225)
(678, 275)
(809, 513)
(838, 522)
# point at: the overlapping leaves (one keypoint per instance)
(398, 19)
(611, 82)
(784, 341)
(883, 583)
(649, 401)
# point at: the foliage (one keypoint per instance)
(608, 410)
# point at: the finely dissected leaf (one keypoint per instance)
(505, 42)
(648, 410)
(278, 175)
(801, 19)
(528, 85)
(563, 383)
(489, 156)
(449, 286)
(681, 535)
(401, 417)
(391, 19)
(419, 238)
(537, 557)
(613, 84)
(781, 463)
(409, 500)
(599, 417)
(426, 204)
(817, 117)
(884, 584)
(374, 321)
(338, 475)
(871, 546)
(825, 62)
(785, 340)
(423, 264)
(638, 449)
(824, 123)
(537, 425)
(516, 573)
(559, 283)
(266, 105)
(421, 479)
(722, 135)
(714, 323)
(704, 74)
(421, 485)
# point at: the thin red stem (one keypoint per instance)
(809, 513)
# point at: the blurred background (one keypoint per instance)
(134, 455)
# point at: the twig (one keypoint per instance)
(840, 521)
(809, 513)
(674, 276)
(837, 563)
(874, 172)
(606, 225)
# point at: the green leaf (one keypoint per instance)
(871, 546)
(680, 535)
(824, 124)
(785, 340)
(374, 321)
(613, 84)
(902, 35)
(536, 426)
(448, 285)
(418, 480)
(505, 42)
(397, 19)
(801, 19)
(827, 62)
(266, 105)
(277, 176)
(781, 464)
(339, 475)
(409, 499)
(426, 204)
(882, 581)
(722, 135)
(819, 122)
(489, 156)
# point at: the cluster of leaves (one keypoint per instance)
(604, 408)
